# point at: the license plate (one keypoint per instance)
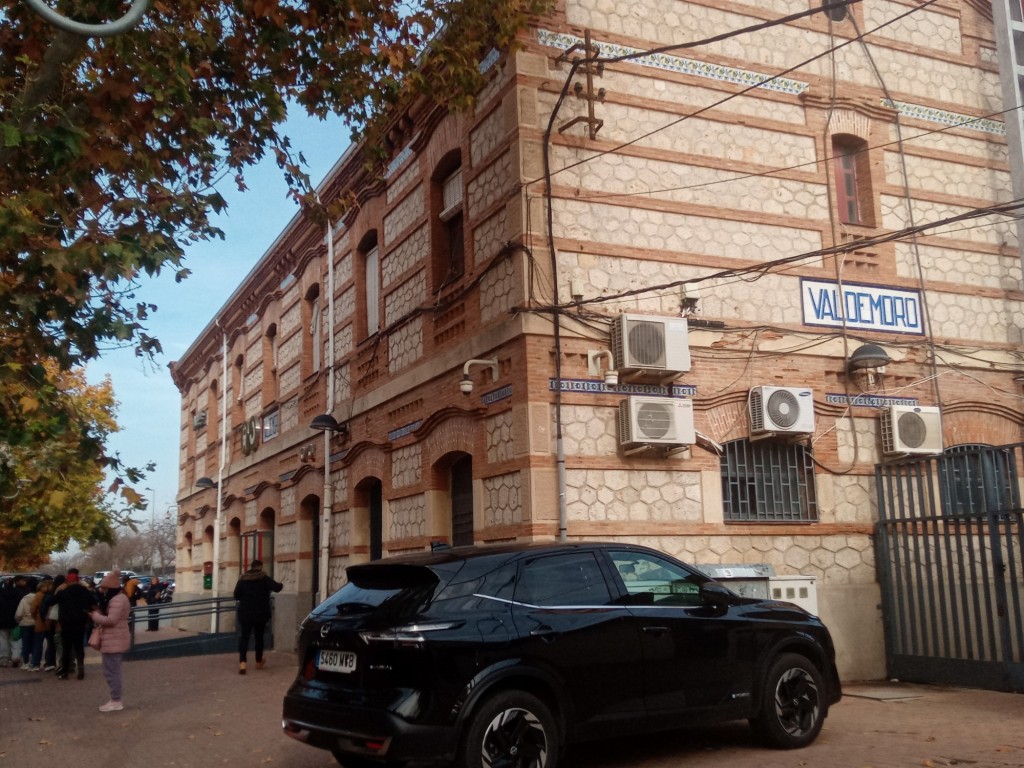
(337, 661)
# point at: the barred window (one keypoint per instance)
(977, 479)
(768, 482)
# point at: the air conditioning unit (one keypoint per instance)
(781, 410)
(199, 420)
(656, 421)
(658, 345)
(911, 430)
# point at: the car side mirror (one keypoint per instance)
(715, 595)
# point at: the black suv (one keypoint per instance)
(501, 655)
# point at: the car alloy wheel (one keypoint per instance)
(792, 708)
(512, 730)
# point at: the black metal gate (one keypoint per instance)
(949, 559)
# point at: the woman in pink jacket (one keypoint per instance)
(116, 639)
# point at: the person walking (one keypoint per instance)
(75, 602)
(115, 638)
(253, 595)
(154, 591)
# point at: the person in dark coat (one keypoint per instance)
(10, 595)
(253, 595)
(75, 602)
(154, 591)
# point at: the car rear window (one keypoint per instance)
(387, 591)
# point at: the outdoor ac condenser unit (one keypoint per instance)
(651, 343)
(911, 430)
(656, 421)
(781, 410)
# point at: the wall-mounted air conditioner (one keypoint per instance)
(781, 410)
(911, 430)
(199, 420)
(652, 344)
(656, 421)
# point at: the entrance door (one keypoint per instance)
(462, 502)
(376, 520)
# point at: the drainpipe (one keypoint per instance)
(217, 524)
(328, 498)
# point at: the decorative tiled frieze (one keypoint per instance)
(678, 64)
(502, 499)
(945, 117)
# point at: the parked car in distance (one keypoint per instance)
(503, 655)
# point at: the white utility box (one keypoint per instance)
(799, 590)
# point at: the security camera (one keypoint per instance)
(466, 385)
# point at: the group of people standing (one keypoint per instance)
(54, 621)
(57, 617)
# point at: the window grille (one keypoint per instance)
(768, 482)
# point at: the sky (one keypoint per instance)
(149, 411)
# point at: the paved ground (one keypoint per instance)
(199, 712)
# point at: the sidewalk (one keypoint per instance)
(200, 712)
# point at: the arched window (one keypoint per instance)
(767, 482)
(270, 364)
(371, 280)
(852, 172)
(312, 339)
(448, 237)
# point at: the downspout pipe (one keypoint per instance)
(327, 505)
(217, 521)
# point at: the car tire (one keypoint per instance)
(514, 729)
(793, 703)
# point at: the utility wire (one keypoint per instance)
(599, 60)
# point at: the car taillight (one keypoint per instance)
(309, 671)
(409, 636)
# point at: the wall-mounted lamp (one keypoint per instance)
(327, 423)
(867, 356)
(594, 358)
(206, 483)
(466, 385)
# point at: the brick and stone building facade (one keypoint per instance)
(743, 185)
